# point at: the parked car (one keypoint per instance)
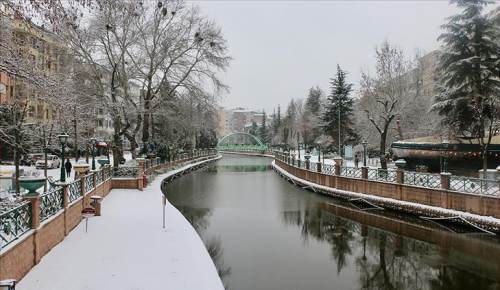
(52, 162)
(31, 159)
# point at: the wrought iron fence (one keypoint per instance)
(350, 172)
(422, 179)
(50, 203)
(74, 190)
(14, 223)
(126, 172)
(313, 166)
(474, 185)
(382, 174)
(98, 177)
(328, 169)
(89, 183)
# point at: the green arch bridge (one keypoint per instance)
(241, 142)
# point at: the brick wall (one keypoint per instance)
(477, 204)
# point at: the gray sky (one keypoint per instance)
(282, 48)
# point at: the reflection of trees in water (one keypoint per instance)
(383, 260)
(214, 247)
(198, 217)
(452, 278)
(339, 233)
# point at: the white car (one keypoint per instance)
(52, 162)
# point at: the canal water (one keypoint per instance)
(265, 233)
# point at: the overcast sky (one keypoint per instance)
(282, 48)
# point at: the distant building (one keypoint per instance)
(239, 120)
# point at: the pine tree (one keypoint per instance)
(470, 68)
(337, 118)
(311, 115)
(263, 128)
(253, 130)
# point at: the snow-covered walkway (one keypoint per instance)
(126, 248)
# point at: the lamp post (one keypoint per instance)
(63, 138)
(108, 143)
(364, 152)
(445, 143)
(93, 142)
(319, 151)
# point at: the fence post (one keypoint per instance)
(318, 167)
(35, 224)
(140, 183)
(338, 163)
(445, 180)
(364, 172)
(400, 176)
(307, 164)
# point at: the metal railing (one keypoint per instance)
(99, 177)
(474, 185)
(354, 172)
(126, 172)
(422, 179)
(50, 203)
(463, 184)
(74, 190)
(89, 182)
(14, 223)
(380, 174)
(328, 169)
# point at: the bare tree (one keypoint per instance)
(384, 93)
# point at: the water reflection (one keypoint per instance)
(199, 219)
(389, 260)
(264, 233)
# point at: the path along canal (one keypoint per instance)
(265, 233)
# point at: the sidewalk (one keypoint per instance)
(126, 248)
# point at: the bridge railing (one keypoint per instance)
(445, 181)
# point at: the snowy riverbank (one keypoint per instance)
(126, 248)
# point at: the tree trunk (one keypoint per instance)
(146, 120)
(383, 161)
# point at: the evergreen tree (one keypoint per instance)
(311, 115)
(253, 130)
(263, 129)
(469, 73)
(337, 118)
(313, 101)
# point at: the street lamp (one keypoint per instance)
(108, 143)
(63, 138)
(93, 141)
(445, 143)
(364, 152)
(318, 144)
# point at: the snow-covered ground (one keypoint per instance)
(127, 248)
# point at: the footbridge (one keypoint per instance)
(241, 142)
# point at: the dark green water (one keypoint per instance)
(265, 233)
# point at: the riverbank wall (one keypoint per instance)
(477, 209)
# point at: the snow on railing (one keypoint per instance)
(50, 203)
(380, 174)
(456, 183)
(474, 185)
(14, 223)
(422, 179)
(354, 172)
(74, 190)
(124, 172)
